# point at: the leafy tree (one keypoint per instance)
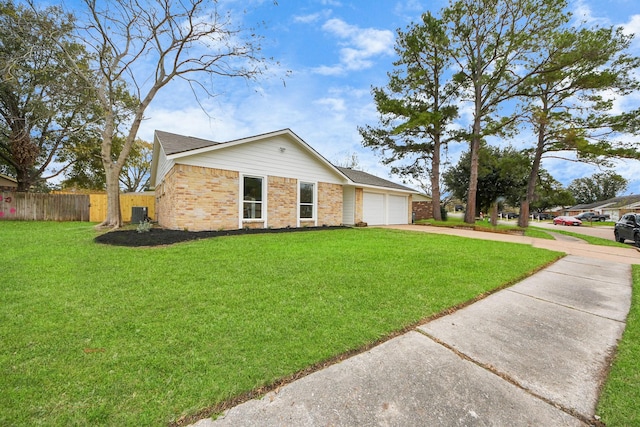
(88, 173)
(142, 46)
(491, 41)
(416, 106)
(549, 193)
(502, 176)
(600, 186)
(45, 110)
(135, 173)
(565, 104)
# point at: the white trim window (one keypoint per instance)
(253, 197)
(307, 198)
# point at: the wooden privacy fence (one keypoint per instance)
(69, 207)
(127, 202)
(44, 207)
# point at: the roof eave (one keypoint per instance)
(380, 187)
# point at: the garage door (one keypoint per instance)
(383, 209)
(373, 208)
(398, 209)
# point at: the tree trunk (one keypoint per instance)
(494, 213)
(114, 217)
(24, 181)
(25, 153)
(523, 220)
(435, 181)
(470, 213)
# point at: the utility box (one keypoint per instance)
(138, 214)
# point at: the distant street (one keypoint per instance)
(602, 231)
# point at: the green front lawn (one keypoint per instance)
(618, 404)
(95, 334)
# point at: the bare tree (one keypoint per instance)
(140, 47)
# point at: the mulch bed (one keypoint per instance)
(161, 236)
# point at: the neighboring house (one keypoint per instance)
(615, 207)
(274, 180)
(7, 183)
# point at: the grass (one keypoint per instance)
(591, 239)
(618, 405)
(104, 335)
(531, 231)
(486, 226)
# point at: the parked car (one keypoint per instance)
(509, 215)
(542, 215)
(566, 220)
(592, 216)
(628, 228)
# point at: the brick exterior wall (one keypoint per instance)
(197, 198)
(422, 210)
(282, 197)
(329, 204)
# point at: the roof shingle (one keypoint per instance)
(364, 178)
(173, 143)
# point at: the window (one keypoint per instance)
(252, 197)
(306, 200)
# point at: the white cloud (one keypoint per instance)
(632, 27)
(307, 19)
(312, 17)
(334, 104)
(582, 13)
(326, 70)
(360, 46)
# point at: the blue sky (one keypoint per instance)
(336, 51)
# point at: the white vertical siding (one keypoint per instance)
(348, 205)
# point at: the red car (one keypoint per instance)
(566, 220)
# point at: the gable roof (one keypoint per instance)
(176, 146)
(360, 177)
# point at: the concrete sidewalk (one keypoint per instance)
(569, 246)
(533, 354)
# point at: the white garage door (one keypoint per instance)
(373, 208)
(383, 209)
(398, 209)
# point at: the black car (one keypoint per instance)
(541, 216)
(628, 228)
(509, 215)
